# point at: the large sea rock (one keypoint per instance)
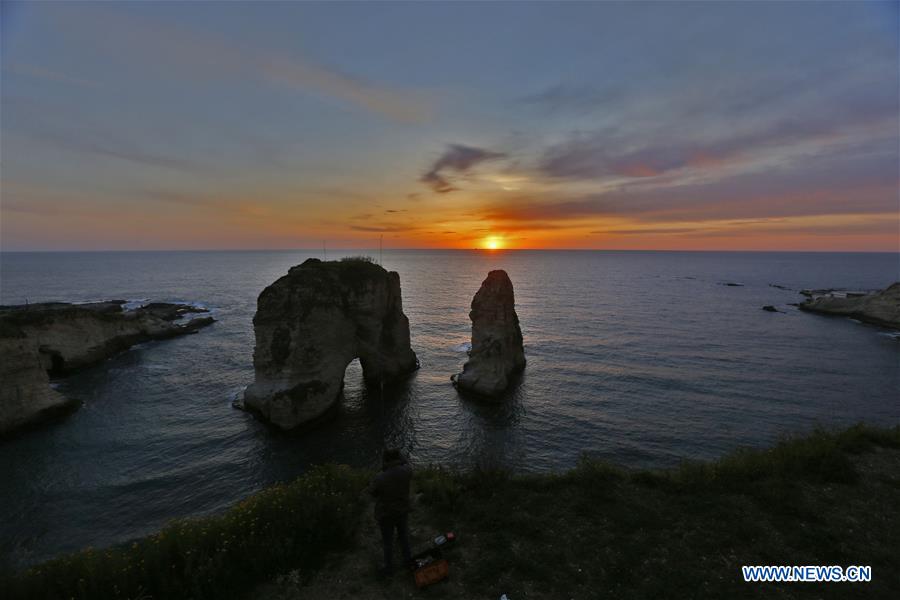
(497, 353)
(311, 323)
(55, 339)
(879, 308)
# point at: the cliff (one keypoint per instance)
(54, 339)
(879, 308)
(311, 323)
(497, 352)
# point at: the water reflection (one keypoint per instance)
(490, 434)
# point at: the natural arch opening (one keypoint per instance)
(354, 386)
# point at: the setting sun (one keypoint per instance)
(493, 242)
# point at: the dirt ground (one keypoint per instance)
(355, 574)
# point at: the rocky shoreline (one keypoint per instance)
(55, 339)
(878, 308)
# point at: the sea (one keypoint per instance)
(645, 359)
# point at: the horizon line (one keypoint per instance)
(427, 249)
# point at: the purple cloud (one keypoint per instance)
(459, 158)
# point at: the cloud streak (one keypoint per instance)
(204, 55)
(573, 98)
(865, 181)
(36, 72)
(698, 122)
(613, 153)
(92, 142)
(459, 159)
(401, 106)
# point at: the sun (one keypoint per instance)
(493, 242)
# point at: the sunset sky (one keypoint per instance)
(720, 125)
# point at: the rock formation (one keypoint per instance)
(54, 339)
(497, 351)
(25, 393)
(311, 323)
(879, 308)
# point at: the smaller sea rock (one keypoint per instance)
(497, 351)
(770, 308)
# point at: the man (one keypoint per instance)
(391, 491)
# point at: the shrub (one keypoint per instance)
(439, 487)
(820, 457)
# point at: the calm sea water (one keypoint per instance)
(641, 358)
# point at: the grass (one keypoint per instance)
(828, 498)
(284, 527)
(600, 531)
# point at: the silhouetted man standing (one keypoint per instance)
(391, 491)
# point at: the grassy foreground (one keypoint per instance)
(283, 527)
(829, 498)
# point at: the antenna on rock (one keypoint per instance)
(381, 250)
(324, 252)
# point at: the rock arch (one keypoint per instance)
(311, 323)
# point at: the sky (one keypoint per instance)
(640, 125)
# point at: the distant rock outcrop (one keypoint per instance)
(54, 339)
(879, 308)
(497, 352)
(311, 323)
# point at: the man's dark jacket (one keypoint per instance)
(391, 489)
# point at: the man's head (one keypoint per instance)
(390, 455)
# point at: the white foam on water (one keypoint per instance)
(134, 303)
(236, 396)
